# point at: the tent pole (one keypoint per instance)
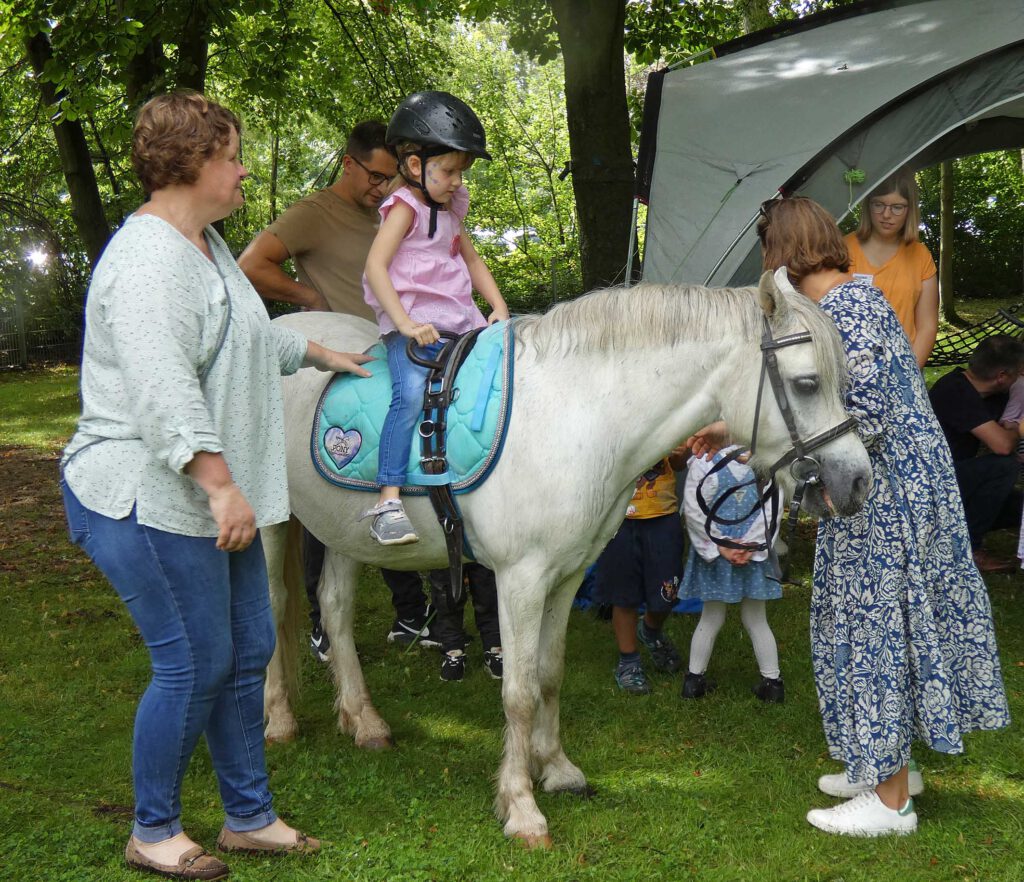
(632, 242)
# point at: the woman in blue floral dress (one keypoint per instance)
(901, 628)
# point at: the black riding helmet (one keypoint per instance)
(439, 123)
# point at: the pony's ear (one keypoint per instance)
(772, 290)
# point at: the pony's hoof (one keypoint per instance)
(534, 842)
(379, 743)
(279, 734)
(584, 792)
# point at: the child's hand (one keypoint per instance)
(708, 441)
(422, 334)
(738, 557)
(498, 315)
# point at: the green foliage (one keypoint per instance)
(988, 237)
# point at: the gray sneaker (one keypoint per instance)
(391, 525)
(662, 650)
(632, 679)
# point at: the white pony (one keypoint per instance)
(604, 386)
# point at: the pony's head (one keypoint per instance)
(813, 379)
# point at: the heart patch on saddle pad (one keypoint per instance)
(341, 445)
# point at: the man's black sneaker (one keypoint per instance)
(453, 666)
(494, 663)
(319, 644)
(416, 630)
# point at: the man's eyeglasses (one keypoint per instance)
(898, 209)
(374, 177)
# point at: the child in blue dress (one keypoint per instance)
(719, 575)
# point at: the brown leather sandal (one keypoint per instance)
(229, 840)
(196, 863)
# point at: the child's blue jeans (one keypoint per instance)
(408, 382)
(205, 617)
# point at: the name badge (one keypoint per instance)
(865, 278)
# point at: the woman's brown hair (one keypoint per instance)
(903, 184)
(800, 235)
(175, 134)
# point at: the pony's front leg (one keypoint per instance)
(285, 577)
(551, 767)
(356, 714)
(521, 593)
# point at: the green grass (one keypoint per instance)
(39, 408)
(709, 790)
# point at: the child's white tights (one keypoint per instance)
(752, 614)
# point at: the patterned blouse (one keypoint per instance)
(179, 357)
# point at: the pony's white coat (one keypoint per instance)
(604, 387)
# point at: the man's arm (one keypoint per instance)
(999, 439)
(261, 263)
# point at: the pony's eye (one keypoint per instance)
(806, 385)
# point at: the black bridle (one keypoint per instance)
(805, 469)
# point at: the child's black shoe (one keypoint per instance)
(770, 691)
(453, 666)
(697, 686)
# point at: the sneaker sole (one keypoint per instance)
(409, 639)
(863, 833)
(407, 539)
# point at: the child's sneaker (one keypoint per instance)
(494, 662)
(663, 652)
(865, 815)
(318, 642)
(415, 630)
(838, 785)
(391, 525)
(770, 691)
(631, 678)
(696, 686)
(453, 665)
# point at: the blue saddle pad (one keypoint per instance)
(351, 411)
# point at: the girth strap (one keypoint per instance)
(439, 393)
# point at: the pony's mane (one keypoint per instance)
(651, 315)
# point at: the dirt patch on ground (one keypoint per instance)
(31, 513)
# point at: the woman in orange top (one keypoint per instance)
(885, 252)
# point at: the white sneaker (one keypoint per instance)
(838, 785)
(865, 815)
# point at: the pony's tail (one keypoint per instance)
(291, 625)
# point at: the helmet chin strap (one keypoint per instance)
(424, 154)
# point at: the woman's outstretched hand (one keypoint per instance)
(324, 359)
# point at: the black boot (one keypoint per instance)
(697, 686)
(770, 691)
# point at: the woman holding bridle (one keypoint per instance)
(177, 461)
(901, 628)
(885, 252)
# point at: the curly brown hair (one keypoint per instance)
(175, 134)
(800, 235)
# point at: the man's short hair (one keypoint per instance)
(997, 353)
(365, 138)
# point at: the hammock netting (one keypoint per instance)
(957, 348)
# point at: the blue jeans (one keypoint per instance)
(205, 617)
(408, 382)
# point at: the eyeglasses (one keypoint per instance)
(765, 208)
(374, 177)
(897, 209)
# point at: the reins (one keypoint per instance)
(805, 469)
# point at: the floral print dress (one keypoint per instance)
(902, 640)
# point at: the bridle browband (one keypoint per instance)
(805, 469)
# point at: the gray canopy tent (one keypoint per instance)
(826, 107)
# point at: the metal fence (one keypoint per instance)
(28, 340)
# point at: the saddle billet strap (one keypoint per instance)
(439, 393)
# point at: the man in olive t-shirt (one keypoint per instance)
(328, 235)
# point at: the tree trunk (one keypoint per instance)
(144, 74)
(193, 47)
(591, 36)
(75, 162)
(755, 14)
(946, 182)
